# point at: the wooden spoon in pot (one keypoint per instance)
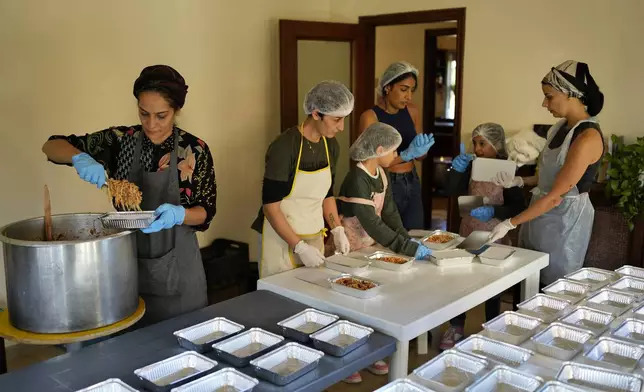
(49, 231)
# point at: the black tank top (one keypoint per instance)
(403, 123)
(587, 179)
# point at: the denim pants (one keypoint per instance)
(408, 197)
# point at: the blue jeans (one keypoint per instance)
(408, 197)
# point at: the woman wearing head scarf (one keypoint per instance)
(297, 194)
(560, 217)
(488, 140)
(175, 173)
(394, 108)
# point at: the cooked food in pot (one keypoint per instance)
(440, 238)
(357, 284)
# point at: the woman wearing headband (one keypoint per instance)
(560, 217)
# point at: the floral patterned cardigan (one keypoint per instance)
(114, 149)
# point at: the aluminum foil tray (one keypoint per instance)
(127, 219)
(629, 270)
(286, 363)
(240, 349)
(630, 285)
(561, 341)
(596, 278)
(303, 324)
(362, 294)
(451, 257)
(587, 376)
(638, 312)
(512, 327)
(608, 352)
(494, 351)
(558, 386)
(201, 337)
(496, 255)
(590, 319)
(376, 261)
(110, 385)
(503, 378)
(611, 301)
(175, 371)
(225, 380)
(347, 265)
(341, 338)
(544, 307)
(630, 329)
(403, 385)
(570, 290)
(451, 371)
(437, 246)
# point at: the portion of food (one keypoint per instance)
(440, 238)
(357, 284)
(127, 195)
(392, 259)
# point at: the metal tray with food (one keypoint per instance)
(224, 380)
(496, 255)
(590, 319)
(286, 364)
(503, 378)
(630, 285)
(567, 289)
(494, 351)
(596, 278)
(403, 385)
(129, 220)
(596, 378)
(355, 286)
(300, 326)
(558, 386)
(561, 341)
(451, 371)
(611, 301)
(347, 265)
(609, 352)
(544, 307)
(629, 270)
(175, 371)
(341, 338)
(440, 239)
(240, 349)
(109, 385)
(630, 329)
(390, 261)
(451, 257)
(512, 327)
(201, 337)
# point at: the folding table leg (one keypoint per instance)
(398, 368)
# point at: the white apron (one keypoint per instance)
(563, 232)
(303, 211)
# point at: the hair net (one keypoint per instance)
(574, 79)
(494, 134)
(392, 72)
(329, 97)
(376, 135)
(165, 79)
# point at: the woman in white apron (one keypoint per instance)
(560, 217)
(297, 194)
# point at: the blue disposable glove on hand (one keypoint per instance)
(418, 147)
(168, 215)
(88, 169)
(462, 161)
(484, 214)
(423, 252)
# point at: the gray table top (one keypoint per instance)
(120, 356)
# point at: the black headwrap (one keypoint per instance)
(165, 79)
(574, 79)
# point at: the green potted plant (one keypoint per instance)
(626, 178)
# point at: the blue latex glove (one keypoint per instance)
(423, 252)
(462, 161)
(168, 215)
(88, 169)
(484, 214)
(418, 147)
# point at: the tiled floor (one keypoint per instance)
(20, 356)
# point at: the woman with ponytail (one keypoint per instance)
(559, 220)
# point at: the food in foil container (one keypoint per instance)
(595, 277)
(356, 283)
(544, 307)
(109, 385)
(561, 341)
(439, 238)
(630, 329)
(616, 353)
(175, 371)
(224, 380)
(590, 319)
(503, 378)
(286, 363)
(512, 327)
(568, 289)
(611, 301)
(240, 349)
(587, 376)
(494, 351)
(341, 338)
(390, 261)
(200, 337)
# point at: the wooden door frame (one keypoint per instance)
(365, 78)
(290, 31)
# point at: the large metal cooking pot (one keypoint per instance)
(85, 279)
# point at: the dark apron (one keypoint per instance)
(171, 274)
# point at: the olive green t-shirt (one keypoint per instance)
(281, 161)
